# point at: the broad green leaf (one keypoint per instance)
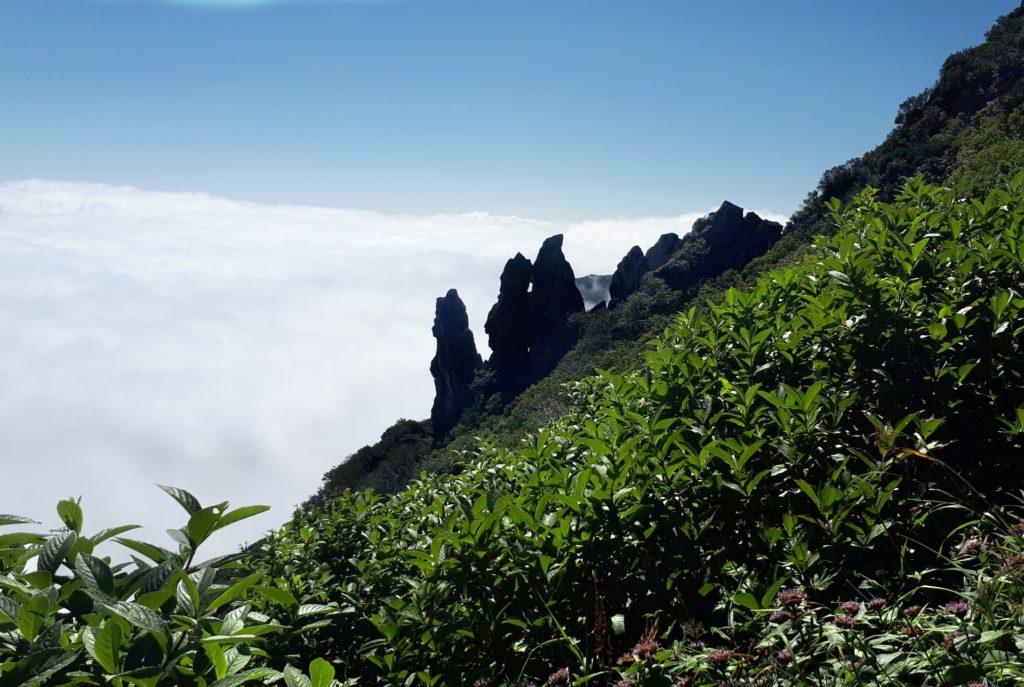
(16, 520)
(139, 616)
(202, 523)
(236, 660)
(230, 639)
(278, 596)
(244, 676)
(154, 553)
(20, 538)
(321, 673)
(56, 549)
(110, 532)
(95, 575)
(234, 591)
(71, 513)
(107, 647)
(32, 615)
(314, 609)
(9, 609)
(293, 677)
(36, 668)
(188, 596)
(189, 502)
(40, 579)
(747, 600)
(238, 514)
(216, 655)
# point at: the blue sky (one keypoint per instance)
(557, 109)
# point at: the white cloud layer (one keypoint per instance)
(235, 349)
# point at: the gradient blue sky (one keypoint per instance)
(545, 108)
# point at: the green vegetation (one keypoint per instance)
(811, 477)
(811, 481)
(967, 129)
(74, 618)
(848, 428)
(387, 465)
(817, 432)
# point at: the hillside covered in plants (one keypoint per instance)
(813, 481)
(966, 129)
(804, 470)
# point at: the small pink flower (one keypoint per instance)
(877, 604)
(972, 547)
(719, 659)
(559, 677)
(846, 622)
(791, 597)
(1015, 562)
(851, 607)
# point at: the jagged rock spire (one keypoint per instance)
(553, 299)
(628, 276)
(508, 331)
(663, 249)
(724, 240)
(455, 364)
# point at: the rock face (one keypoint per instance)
(529, 328)
(724, 240)
(507, 329)
(663, 249)
(553, 299)
(594, 289)
(455, 364)
(629, 274)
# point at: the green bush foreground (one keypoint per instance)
(815, 482)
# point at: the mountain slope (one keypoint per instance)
(824, 431)
(968, 128)
(815, 481)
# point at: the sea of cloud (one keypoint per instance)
(235, 349)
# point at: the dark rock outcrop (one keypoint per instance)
(594, 289)
(455, 364)
(724, 240)
(628, 276)
(553, 299)
(508, 332)
(663, 249)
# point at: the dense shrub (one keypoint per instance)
(809, 433)
(69, 617)
(793, 471)
(966, 128)
(971, 633)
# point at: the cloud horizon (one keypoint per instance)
(232, 348)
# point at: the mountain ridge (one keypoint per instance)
(968, 128)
